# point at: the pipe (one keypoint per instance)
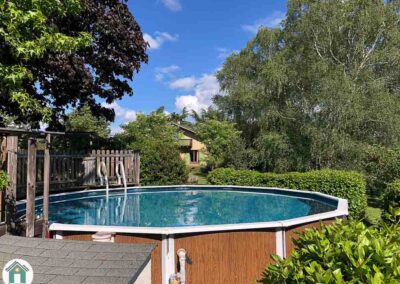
(182, 265)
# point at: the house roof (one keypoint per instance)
(185, 128)
(81, 262)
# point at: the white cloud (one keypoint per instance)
(223, 53)
(204, 88)
(159, 38)
(185, 83)
(272, 21)
(116, 130)
(162, 72)
(125, 114)
(173, 5)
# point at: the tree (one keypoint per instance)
(99, 66)
(157, 139)
(82, 120)
(26, 36)
(223, 142)
(320, 90)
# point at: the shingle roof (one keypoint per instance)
(64, 261)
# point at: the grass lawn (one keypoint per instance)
(197, 173)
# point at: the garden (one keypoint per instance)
(312, 105)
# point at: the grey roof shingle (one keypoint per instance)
(80, 262)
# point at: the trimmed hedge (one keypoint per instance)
(391, 197)
(343, 184)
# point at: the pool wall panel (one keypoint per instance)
(227, 257)
(156, 276)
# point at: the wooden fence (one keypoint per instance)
(77, 170)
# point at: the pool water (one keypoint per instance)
(175, 208)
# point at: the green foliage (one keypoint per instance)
(343, 184)
(3, 180)
(25, 35)
(221, 139)
(391, 197)
(56, 55)
(382, 166)
(346, 252)
(158, 142)
(315, 93)
(82, 120)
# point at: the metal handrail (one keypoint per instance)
(103, 175)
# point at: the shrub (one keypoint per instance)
(343, 184)
(345, 252)
(158, 142)
(3, 180)
(382, 166)
(161, 165)
(391, 197)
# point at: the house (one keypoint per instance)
(191, 149)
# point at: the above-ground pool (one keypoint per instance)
(224, 229)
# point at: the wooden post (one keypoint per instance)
(46, 186)
(137, 168)
(11, 192)
(31, 188)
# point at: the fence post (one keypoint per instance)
(31, 189)
(11, 192)
(89, 165)
(46, 186)
(137, 168)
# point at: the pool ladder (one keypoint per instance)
(103, 175)
(120, 172)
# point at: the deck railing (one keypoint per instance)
(76, 170)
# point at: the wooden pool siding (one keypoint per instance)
(234, 257)
(226, 257)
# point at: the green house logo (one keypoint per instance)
(17, 271)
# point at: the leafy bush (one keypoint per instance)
(158, 142)
(382, 166)
(161, 165)
(343, 184)
(391, 197)
(346, 252)
(3, 180)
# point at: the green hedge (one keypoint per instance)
(343, 184)
(346, 252)
(391, 197)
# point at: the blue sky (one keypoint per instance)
(189, 41)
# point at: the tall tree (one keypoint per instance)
(82, 120)
(319, 90)
(26, 36)
(157, 139)
(100, 70)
